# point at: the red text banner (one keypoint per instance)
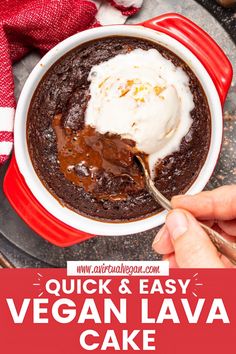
(46, 311)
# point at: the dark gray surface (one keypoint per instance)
(226, 16)
(18, 242)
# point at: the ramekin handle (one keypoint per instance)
(34, 214)
(200, 44)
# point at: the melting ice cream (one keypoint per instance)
(144, 97)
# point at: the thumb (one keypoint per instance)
(193, 248)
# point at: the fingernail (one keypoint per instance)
(162, 233)
(178, 196)
(177, 223)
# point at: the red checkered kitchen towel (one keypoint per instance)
(41, 24)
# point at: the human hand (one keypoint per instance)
(184, 243)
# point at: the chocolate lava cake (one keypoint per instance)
(96, 174)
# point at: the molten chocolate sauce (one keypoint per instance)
(93, 161)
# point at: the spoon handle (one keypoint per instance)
(227, 248)
(4, 262)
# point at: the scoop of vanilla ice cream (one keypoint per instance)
(144, 97)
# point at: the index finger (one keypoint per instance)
(219, 204)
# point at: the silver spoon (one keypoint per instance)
(4, 262)
(227, 248)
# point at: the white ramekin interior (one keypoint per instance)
(21, 150)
